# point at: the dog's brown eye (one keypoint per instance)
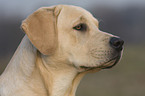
(80, 27)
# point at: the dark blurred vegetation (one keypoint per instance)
(125, 79)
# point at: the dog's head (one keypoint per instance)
(73, 33)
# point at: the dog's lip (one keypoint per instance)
(105, 65)
(110, 63)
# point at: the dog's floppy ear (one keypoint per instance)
(41, 30)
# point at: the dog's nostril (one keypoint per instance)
(116, 43)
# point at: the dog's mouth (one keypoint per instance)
(105, 65)
(110, 63)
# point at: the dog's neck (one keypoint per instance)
(60, 79)
(28, 75)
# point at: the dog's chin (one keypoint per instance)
(105, 65)
(110, 63)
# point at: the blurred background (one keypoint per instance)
(125, 18)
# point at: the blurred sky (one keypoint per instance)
(25, 7)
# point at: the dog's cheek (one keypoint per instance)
(78, 56)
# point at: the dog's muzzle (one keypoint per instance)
(116, 44)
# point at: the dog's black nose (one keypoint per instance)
(116, 43)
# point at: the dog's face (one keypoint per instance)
(79, 39)
(86, 45)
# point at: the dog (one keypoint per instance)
(62, 44)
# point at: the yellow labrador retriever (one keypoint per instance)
(62, 43)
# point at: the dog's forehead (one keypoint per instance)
(75, 12)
